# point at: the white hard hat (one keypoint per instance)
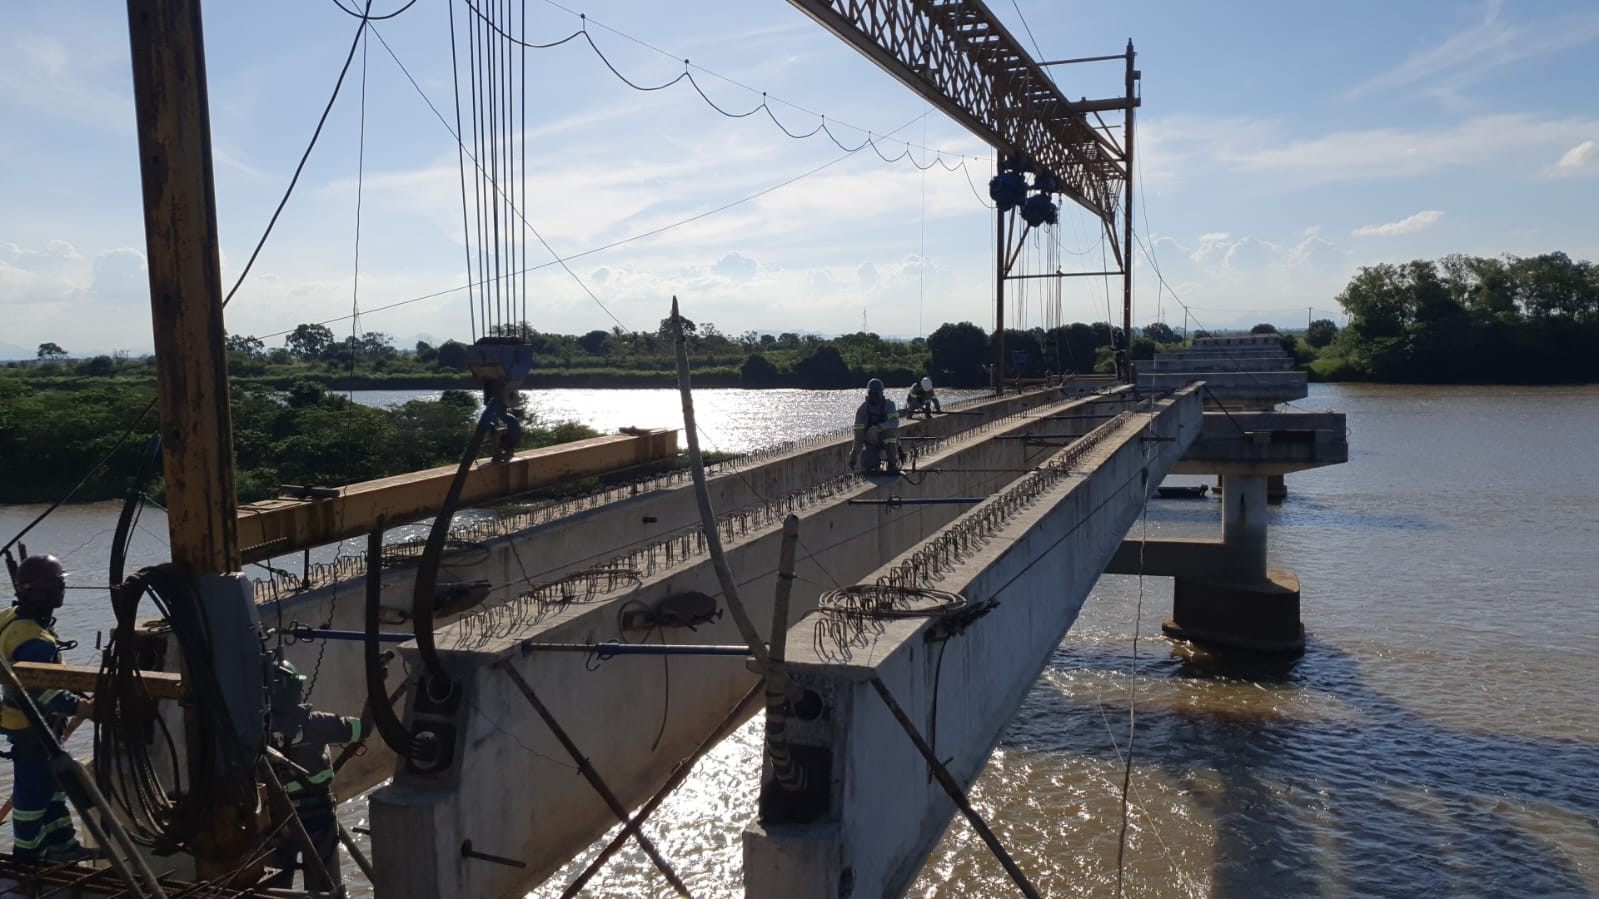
(927, 383)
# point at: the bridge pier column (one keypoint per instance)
(1241, 604)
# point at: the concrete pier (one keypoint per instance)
(1225, 593)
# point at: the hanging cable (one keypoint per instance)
(687, 74)
(87, 474)
(304, 158)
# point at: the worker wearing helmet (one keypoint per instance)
(303, 736)
(40, 821)
(922, 399)
(876, 431)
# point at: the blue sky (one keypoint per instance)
(1282, 146)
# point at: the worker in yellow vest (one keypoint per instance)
(40, 820)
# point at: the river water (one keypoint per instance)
(1440, 736)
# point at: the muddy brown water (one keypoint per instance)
(1440, 736)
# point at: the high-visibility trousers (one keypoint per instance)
(41, 823)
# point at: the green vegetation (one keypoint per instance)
(1467, 319)
(303, 436)
(956, 355)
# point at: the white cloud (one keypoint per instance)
(1579, 161)
(1421, 221)
(1313, 250)
(735, 267)
(1472, 54)
(1393, 152)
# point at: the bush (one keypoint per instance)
(757, 371)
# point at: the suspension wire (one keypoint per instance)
(523, 137)
(687, 74)
(460, 160)
(304, 158)
(87, 474)
(477, 174)
(1132, 674)
(371, 18)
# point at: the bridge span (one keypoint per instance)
(1016, 506)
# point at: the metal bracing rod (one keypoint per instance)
(680, 773)
(629, 825)
(947, 781)
(702, 498)
(928, 501)
(284, 807)
(361, 861)
(1062, 275)
(613, 648)
(776, 676)
(1067, 62)
(95, 812)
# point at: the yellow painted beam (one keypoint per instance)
(82, 679)
(279, 526)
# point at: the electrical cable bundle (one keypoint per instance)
(161, 810)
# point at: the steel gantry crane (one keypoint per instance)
(958, 56)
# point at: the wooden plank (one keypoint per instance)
(83, 678)
(283, 526)
(180, 225)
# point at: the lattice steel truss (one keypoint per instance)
(957, 55)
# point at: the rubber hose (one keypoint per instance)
(389, 725)
(428, 570)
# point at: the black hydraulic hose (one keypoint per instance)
(130, 506)
(427, 572)
(389, 725)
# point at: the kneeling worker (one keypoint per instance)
(877, 431)
(922, 399)
(40, 820)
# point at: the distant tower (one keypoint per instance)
(863, 321)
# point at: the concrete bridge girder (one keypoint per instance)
(634, 718)
(557, 548)
(883, 813)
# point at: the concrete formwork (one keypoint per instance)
(877, 813)
(511, 790)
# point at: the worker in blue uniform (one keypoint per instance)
(40, 820)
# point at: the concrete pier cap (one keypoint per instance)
(1225, 594)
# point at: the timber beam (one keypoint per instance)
(85, 678)
(280, 526)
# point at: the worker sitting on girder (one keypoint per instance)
(922, 399)
(877, 430)
(40, 820)
(303, 736)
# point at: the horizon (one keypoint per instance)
(1385, 133)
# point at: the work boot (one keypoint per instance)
(72, 852)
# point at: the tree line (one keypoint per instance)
(304, 435)
(1470, 319)
(955, 355)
